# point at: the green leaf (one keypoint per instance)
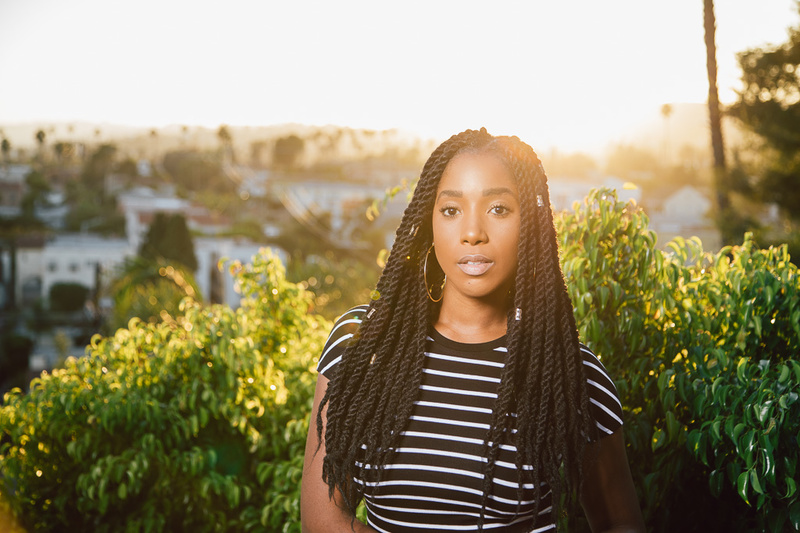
(741, 369)
(754, 482)
(784, 374)
(794, 515)
(658, 439)
(715, 427)
(791, 488)
(741, 486)
(673, 426)
(716, 482)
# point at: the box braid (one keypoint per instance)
(370, 396)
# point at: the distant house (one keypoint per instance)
(73, 258)
(81, 258)
(336, 208)
(684, 213)
(12, 188)
(218, 286)
(140, 206)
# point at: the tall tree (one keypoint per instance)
(6, 148)
(225, 143)
(714, 118)
(769, 105)
(35, 195)
(287, 151)
(769, 171)
(100, 163)
(40, 138)
(168, 238)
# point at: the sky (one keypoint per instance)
(574, 74)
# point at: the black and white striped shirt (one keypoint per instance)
(436, 480)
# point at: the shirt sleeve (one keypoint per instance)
(344, 329)
(604, 401)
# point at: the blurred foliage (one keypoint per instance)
(197, 171)
(196, 424)
(287, 151)
(337, 283)
(703, 348)
(100, 163)
(67, 297)
(15, 352)
(168, 239)
(91, 208)
(575, 165)
(151, 290)
(768, 169)
(35, 195)
(631, 162)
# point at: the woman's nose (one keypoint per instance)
(473, 232)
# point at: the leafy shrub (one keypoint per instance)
(193, 424)
(68, 297)
(161, 427)
(150, 290)
(702, 347)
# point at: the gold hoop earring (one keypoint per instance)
(425, 275)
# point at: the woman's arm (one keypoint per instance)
(608, 496)
(317, 511)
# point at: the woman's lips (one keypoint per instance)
(475, 265)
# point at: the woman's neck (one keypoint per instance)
(471, 321)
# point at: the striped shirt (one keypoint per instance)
(436, 480)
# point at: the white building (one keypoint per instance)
(12, 188)
(685, 213)
(209, 251)
(78, 258)
(145, 201)
(337, 208)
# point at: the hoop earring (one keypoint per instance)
(425, 275)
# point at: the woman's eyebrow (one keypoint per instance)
(452, 194)
(498, 191)
(494, 191)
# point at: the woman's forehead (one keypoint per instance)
(476, 170)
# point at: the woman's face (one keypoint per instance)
(476, 220)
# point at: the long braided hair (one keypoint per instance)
(542, 381)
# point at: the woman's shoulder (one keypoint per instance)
(604, 400)
(344, 330)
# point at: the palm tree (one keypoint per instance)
(6, 148)
(666, 112)
(154, 142)
(40, 138)
(226, 143)
(714, 115)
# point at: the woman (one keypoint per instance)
(460, 398)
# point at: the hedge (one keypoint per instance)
(197, 423)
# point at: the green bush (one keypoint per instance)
(67, 297)
(198, 422)
(195, 424)
(704, 349)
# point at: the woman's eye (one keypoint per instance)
(449, 211)
(499, 210)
